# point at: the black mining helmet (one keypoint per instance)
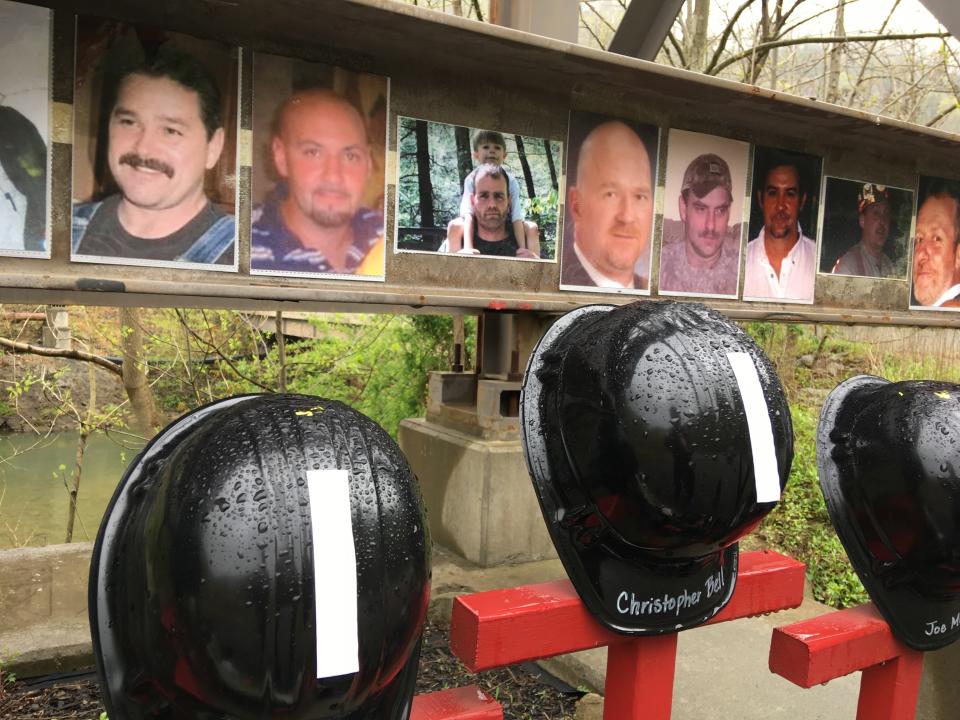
(657, 435)
(888, 456)
(265, 556)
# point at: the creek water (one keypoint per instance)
(34, 499)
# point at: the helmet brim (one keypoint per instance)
(626, 590)
(915, 619)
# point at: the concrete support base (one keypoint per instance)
(43, 609)
(56, 329)
(478, 495)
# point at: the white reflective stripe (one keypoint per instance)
(334, 572)
(765, 472)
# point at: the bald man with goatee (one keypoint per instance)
(611, 205)
(314, 221)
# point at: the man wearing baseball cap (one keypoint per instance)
(706, 261)
(867, 256)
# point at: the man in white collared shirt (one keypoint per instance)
(781, 261)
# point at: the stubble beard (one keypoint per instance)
(330, 219)
(780, 233)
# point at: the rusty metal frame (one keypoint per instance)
(547, 78)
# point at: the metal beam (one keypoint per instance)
(947, 12)
(645, 26)
(558, 19)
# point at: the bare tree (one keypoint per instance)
(835, 57)
(134, 372)
(872, 67)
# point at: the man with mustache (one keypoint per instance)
(164, 134)
(493, 232)
(611, 205)
(706, 261)
(781, 259)
(314, 221)
(867, 256)
(936, 248)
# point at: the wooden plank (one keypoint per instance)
(889, 691)
(639, 682)
(504, 627)
(465, 703)
(814, 651)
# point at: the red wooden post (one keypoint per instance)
(814, 651)
(466, 703)
(505, 627)
(639, 679)
(889, 691)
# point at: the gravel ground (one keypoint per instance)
(523, 691)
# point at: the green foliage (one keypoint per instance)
(18, 388)
(800, 525)
(377, 364)
(925, 367)
(543, 211)
(7, 678)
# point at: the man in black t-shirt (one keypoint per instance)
(491, 209)
(165, 132)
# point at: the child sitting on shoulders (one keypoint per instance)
(489, 146)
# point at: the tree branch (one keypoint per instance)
(475, 4)
(222, 357)
(676, 46)
(913, 86)
(870, 51)
(821, 41)
(602, 18)
(725, 36)
(783, 30)
(586, 26)
(22, 347)
(942, 115)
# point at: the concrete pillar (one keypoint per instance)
(479, 498)
(56, 329)
(467, 452)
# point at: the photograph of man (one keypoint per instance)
(153, 198)
(936, 245)
(611, 166)
(703, 228)
(24, 123)
(438, 191)
(318, 182)
(781, 259)
(490, 216)
(865, 229)
(490, 148)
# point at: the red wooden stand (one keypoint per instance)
(823, 648)
(505, 627)
(466, 703)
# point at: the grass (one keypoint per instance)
(810, 364)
